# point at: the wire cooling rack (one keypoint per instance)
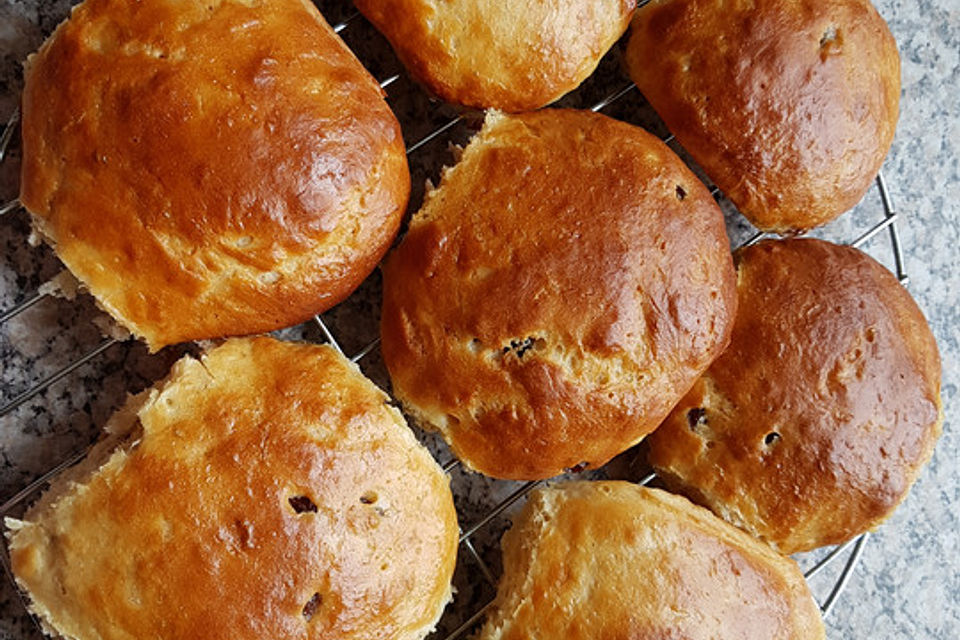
(484, 505)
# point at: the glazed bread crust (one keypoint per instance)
(816, 420)
(788, 105)
(557, 294)
(614, 561)
(513, 56)
(209, 168)
(267, 491)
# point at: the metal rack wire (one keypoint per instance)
(456, 624)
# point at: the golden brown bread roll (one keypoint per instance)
(557, 294)
(513, 56)
(267, 491)
(788, 105)
(610, 560)
(209, 168)
(814, 423)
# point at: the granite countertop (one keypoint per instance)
(907, 584)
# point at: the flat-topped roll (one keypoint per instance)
(512, 56)
(602, 560)
(265, 491)
(816, 420)
(557, 294)
(209, 168)
(788, 105)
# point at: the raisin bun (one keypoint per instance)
(602, 560)
(788, 105)
(816, 420)
(557, 294)
(209, 168)
(265, 491)
(513, 56)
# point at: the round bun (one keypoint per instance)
(209, 168)
(816, 420)
(513, 56)
(789, 106)
(267, 491)
(557, 294)
(601, 560)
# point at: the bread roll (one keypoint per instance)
(788, 105)
(816, 420)
(602, 560)
(557, 294)
(266, 491)
(513, 56)
(209, 168)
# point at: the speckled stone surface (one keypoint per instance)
(907, 584)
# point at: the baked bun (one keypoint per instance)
(513, 56)
(788, 105)
(267, 491)
(814, 423)
(601, 560)
(209, 168)
(557, 294)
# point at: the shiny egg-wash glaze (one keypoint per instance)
(813, 424)
(513, 56)
(267, 491)
(209, 168)
(611, 560)
(557, 294)
(789, 106)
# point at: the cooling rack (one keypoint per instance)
(484, 505)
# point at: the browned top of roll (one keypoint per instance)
(209, 168)
(813, 424)
(789, 105)
(614, 561)
(268, 491)
(557, 294)
(513, 56)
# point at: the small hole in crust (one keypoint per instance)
(369, 497)
(828, 36)
(871, 334)
(696, 418)
(302, 504)
(474, 345)
(681, 193)
(771, 438)
(831, 43)
(313, 605)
